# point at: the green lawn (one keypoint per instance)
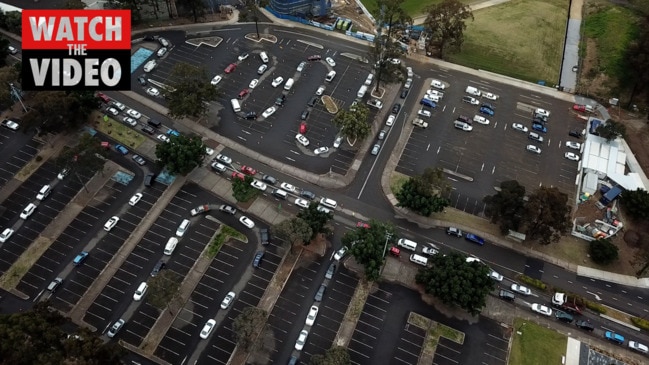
(536, 345)
(521, 38)
(412, 7)
(612, 27)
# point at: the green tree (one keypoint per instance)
(611, 130)
(420, 196)
(445, 24)
(135, 6)
(242, 190)
(163, 288)
(85, 158)
(196, 8)
(11, 21)
(354, 124)
(57, 111)
(547, 215)
(391, 20)
(507, 206)
(603, 251)
(4, 51)
(636, 203)
(336, 355)
(637, 61)
(247, 326)
(457, 282)
(191, 93)
(296, 231)
(316, 219)
(368, 246)
(35, 337)
(74, 4)
(181, 154)
(8, 75)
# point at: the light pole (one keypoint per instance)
(388, 235)
(17, 95)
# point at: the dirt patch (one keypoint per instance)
(592, 82)
(637, 133)
(350, 11)
(329, 104)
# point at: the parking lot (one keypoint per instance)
(14, 155)
(26, 231)
(264, 133)
(473, 154)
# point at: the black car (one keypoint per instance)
(404, 93)
(538, 121)
(147, 129)
(280, 101)
(396, 108)
(563, 316)
(256, 262)
(506, 295)
(319, 295)
(330, 271)
(149, 179)
(307, 194)
(313, 101)
(149, 38)
(264, 235)
(305, 114)
(488, 105)
(574, 134)
(251, 115)
(585, 325)
(159, 266)
(541, 117)
(269, 179)
(141, 80)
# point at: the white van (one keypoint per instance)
(171, 246)
(279, 193)
(330, 203)
(235, 105)
(419, 260)
(462, 125)
(264, 57)
(369, 79)
(182, 228)
(407, 244)
(289, 84)
(44, 192)
(361, 92)
(330, 76)
(472, 91)
(140, 291)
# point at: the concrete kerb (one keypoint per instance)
(79, 310)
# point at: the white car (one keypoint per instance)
(519, 127)
(278, 81)
(424, 113)
(542, 112)
(409, 71)
(394, 61)
(63, 174)
(300, 67)
(111, 223)
(571, 156)
(420, 123)
(407, 84)
(533, 149)
(338, 141)
(313, 313)
(375, 103)
(130, 121)
(320, 90)
(288, 187)
(258, 185)
(633, 345)
(262, 69)
(228, 300)
(433, 92)
(12, 125)
(301, 340)
(163, 138)
(119, 105)
(302, 203)
(134, 113)
(153, 91)
(321, 150)
(207, 329)
(340, 253)
(253, 83)
(471, 100)
(573, 145)
(390, 120)
(6, 234)
(112, 111)
(521, 289)
(215, 81)
(209, 151)
(243, 56)
(438, 84)
(302, 139)
(29, 210)
(495, 276)
(541, 309)
(490, 96)
(224, 159)
(247, 222)
(330, 61)
(430, 251)
(480, 119)
(135, 199)
(471, 259)
(268, 112)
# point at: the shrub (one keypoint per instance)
(603, 252)
(641, 323)
(533, 282)
(595, 307)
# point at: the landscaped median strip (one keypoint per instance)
(434, 331)
(354, 311)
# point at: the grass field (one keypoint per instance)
(536, 345)
(120, 132)
(521, 38)
(412, 7)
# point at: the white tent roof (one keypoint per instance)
(612, 159)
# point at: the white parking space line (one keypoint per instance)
(370, 325)
(444, 357)
(169, 350)
(448, 348)
(401, 360)
(103, 306)
(94, 315)
(361, 343)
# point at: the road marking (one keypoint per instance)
(290, 159)
(241, 138)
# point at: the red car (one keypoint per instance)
(362, 225)
(238, 175)
(583, 108)
(248, 170)
(231, 67)
(243, 93)
(395, 251)
(303, 128)
(315, 57)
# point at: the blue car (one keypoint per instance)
(80, 258)
(427, 102)
(173, 132)
(121, 149)
(539, 127)
(475, 239)
(487, 111)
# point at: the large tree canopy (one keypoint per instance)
(507, 206)
(181, 154)
(59, 111)
(547, 215)
(192, 91)
(354, 123)
(316, 219)
(368, 246)
(445, 23)
(636, 203)
(423, 194)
